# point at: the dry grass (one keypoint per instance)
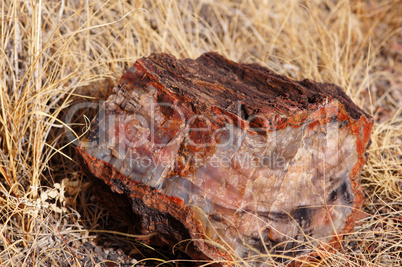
(54, 54)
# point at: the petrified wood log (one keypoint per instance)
(233, 157)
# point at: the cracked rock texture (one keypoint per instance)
(234, 157)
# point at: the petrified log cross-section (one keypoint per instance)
(233, 156)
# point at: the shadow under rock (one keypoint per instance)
(115, 244)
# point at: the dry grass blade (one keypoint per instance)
(54, 54)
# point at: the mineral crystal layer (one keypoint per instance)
(229, 160)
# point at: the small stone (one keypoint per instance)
(97, 250)
(88, 245)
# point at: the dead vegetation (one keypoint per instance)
(55, 54)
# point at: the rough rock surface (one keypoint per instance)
(229, 160)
